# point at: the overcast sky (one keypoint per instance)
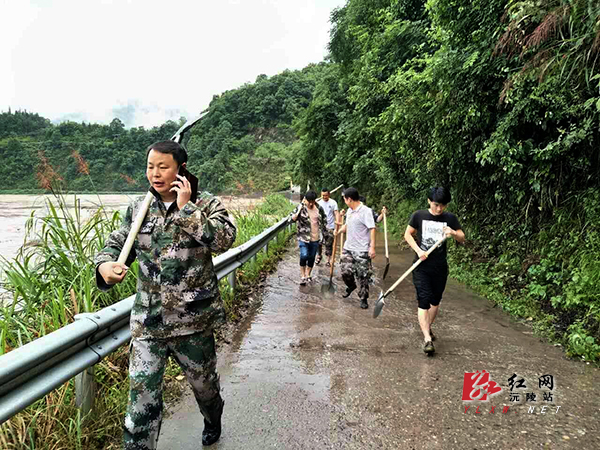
(147, 61)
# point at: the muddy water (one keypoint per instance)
(314, 371)
(16, 209)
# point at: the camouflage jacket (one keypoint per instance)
(178, 290)
(304, 222)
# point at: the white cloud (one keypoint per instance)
(89, 57)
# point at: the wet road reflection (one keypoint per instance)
(316, 371)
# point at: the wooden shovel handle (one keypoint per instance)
(333, 251)
(337, 188)
(414, 266)
(387, 254)
(135, 228)
(342, 239)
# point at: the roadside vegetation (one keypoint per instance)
(498, 100)
(53, 279)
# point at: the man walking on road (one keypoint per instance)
(330, 207)
(359, 248)
(429, 278)
(311, 223)
(178, 300)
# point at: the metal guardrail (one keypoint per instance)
(35, 369)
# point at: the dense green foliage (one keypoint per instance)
(78, 157)
(246, 141)
(498, 100)
(21, 123)
(243, 145)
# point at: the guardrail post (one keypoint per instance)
(85, 384)
(85, 390)
(231, 279)
(266, 248)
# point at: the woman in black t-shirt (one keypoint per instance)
(428, 226)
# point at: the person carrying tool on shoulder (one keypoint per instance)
(312, 221)
(424, 229)
(330, 207)
(178, 301)
(359, 248)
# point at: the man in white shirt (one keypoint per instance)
(330, 207)
(359, 248)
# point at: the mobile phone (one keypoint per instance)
(193, 182)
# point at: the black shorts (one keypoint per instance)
(430, 284)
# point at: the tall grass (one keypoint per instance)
(53, 276)
(53, 279)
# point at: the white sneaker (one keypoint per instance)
(303, 282)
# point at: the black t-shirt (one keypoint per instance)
(430, 229)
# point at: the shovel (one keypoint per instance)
(380, 301)
(330, 287)
(387, 254)
(133, 232)
(341, 240)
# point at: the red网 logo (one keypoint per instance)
(477, 386)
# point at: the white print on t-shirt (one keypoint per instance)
(432, 232)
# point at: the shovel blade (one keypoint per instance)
(387, 268)
(378, 306)
(328, 288)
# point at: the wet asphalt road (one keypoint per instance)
(312, 371)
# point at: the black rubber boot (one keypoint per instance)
(364, 304)
(349, 292)
(212, 431)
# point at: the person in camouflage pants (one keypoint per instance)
(178, 301)
(356, 266)
(359, 248)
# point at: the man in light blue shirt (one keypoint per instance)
(333, 216)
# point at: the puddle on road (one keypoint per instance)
(315, 371)
(369, 376)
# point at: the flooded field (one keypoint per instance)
(16, 209)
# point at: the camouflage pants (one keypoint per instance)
(327, 242)
(356, 265)
(196, 355)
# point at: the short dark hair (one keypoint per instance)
(169, 147)
(352, 194)
(310, 196)
(324, 190)
(439, 195)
